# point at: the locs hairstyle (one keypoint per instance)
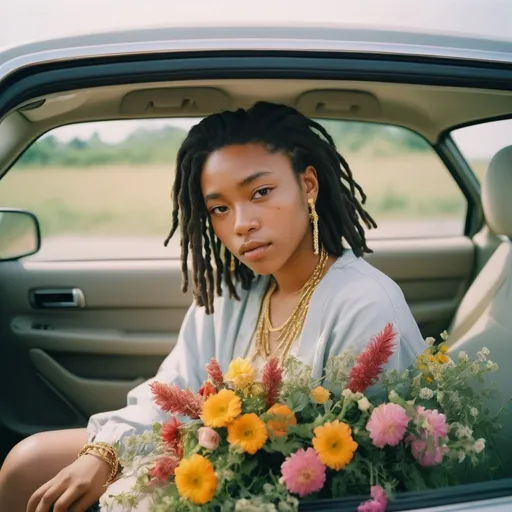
(280, 129)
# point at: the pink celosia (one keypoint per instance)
(163, 469)
(215, 373)
(272, 378)
(369, 364)
(434, 422)
(303, 473)
(171, 435)
(378, 503)
(426, 452)
(387, 425)
(170, 398)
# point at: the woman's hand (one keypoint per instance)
(74, 489)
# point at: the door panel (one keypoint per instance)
(71, 363)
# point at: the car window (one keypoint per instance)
(102, 190)
(480, 142)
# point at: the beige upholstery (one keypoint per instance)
(484, 317)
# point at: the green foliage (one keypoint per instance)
(159, 146)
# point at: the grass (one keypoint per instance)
(135, 200)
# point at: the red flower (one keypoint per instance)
(215, 373)
(207, 389)
(171, 435)
(369, 364)
(272, 378)
(170, 398)
(163, 469)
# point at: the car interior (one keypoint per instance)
(78, 333)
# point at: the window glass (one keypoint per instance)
(480, 142)
(102, 190)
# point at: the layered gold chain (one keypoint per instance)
(289, 331)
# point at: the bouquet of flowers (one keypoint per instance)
(242, 445)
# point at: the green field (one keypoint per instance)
(135, 200)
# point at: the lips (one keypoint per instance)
(254, 249)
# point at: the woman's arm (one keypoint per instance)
(184, 366)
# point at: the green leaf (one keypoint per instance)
(297, 401)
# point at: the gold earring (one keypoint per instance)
(232, 264)
(313, 217)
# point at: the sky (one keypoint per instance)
(28, 20)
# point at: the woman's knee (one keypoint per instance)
(41, 456)
(23, 459)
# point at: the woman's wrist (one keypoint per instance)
(106, 453)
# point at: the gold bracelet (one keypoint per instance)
(106, 453)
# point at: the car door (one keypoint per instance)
(97, 309)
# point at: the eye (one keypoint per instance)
(218, 210)
(262, 192)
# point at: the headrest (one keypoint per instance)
(497, 192)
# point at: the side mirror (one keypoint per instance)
(19, 234)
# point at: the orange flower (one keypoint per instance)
(207, 389)
(282, 418)
(334, 444)
(320, 395)
(248, 432)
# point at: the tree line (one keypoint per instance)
(159, 146)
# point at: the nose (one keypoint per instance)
(245, 221)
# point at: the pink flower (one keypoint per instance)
(208, 438)
(426, 452)
(378, 503)
(387, 425)
(163, 469)
(171, 398)
(434, 422)
(303, 473)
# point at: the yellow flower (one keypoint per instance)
(443, 348)
(254, 390)
(442, 358)
(334, 444)
(249, 432)
(240, 373)
(196, 480)
(282, 417)
(320, 395)
(221, 409)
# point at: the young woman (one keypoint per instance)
(266, 207)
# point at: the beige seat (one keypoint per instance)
(485, 313)
(484, 317)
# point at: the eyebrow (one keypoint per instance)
(246, 181)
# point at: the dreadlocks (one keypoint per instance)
(281, 129)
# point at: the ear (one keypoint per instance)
(309, 180)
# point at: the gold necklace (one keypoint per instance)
(288, 332)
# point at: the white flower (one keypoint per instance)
(347, 394)
(491, 365)
(475, 368)
(474, 412)
(479, 445)
(363, 404)
(464, 432)
(268, 488)
(485, 351)
(481, 355)
(444, 335)
(440, 397)
(426, 393)
(461, 456)
(430, 341)
(463, 356)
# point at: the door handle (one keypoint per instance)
(58, 298)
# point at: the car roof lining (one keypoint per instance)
(425, 109)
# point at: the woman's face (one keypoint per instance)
(257, 206)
